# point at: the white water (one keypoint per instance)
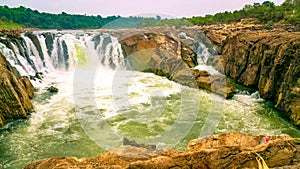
(99, 102)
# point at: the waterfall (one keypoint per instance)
(45, 52)
(202, 53)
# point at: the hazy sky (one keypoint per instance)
(175, 8)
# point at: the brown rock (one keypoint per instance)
(231, 150)
(215, 83)
(15, 93)
(164, 56)
(269, 62)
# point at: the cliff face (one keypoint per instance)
(15, 93)
(270, 62)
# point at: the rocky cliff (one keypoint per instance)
(15, 93)
(231, 150)
(267, 61)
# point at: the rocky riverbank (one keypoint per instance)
(231, 150)
(267, 61)
(15, 93)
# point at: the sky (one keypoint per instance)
(170, 8)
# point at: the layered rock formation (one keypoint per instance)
(232, 150)
(15, 93)
(270, 62)
(267, 61)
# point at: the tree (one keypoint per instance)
(158, 18)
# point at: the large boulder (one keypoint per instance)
(231, 150)
(15, 93)
(162, 55)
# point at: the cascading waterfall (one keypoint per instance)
(133, 104)
(203, 52)
(63, 54)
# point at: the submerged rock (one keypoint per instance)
(231, 150)
(52, 89)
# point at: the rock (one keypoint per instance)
(15, 93)
(24, 80)
(39, 75)
(230, 150)
(264, 60)
(215, 83)
(164, 56)
(269, 62)
(52, 89)
(135, 144)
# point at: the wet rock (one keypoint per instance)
(15, 94)
(230, 150)
(135, 144)
(39, 75)
(52, 89)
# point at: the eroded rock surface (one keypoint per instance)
(231, 150)
(267, 61)
(15, 93)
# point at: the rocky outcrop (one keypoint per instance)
(267, 61)
(231, 150)
(162, 55)
(15, 93)
(166, 56)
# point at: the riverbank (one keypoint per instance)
(231, 150)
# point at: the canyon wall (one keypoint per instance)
(268, 61)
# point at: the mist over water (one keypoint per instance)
(100, 102)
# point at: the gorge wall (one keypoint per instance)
(269, 61)
(264, 60)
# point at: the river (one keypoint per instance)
(100, 102)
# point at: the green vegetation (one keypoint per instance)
(8, 24)
(267, 13)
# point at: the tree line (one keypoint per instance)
(266, 12)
